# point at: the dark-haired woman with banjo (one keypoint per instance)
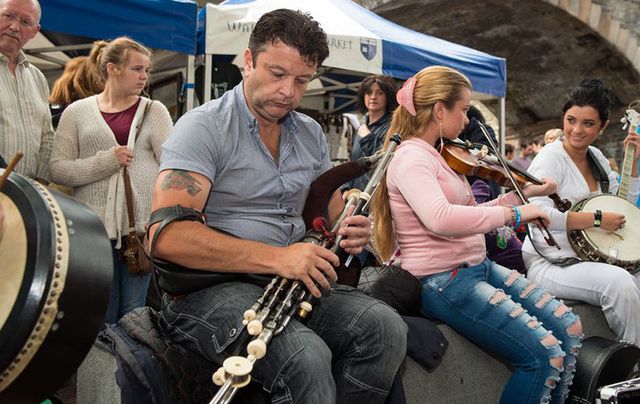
(583, 174)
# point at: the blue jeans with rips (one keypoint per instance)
(505, 313)
(348, 350)
(127, 291)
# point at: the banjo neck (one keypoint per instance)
(632, 118)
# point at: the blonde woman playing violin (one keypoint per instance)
(429, 211)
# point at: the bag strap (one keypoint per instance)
(561, 261)
(598, 171)
(128, 193)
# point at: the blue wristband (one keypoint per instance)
(518, 217)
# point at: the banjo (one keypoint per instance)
(620, 247)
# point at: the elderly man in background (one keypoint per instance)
(25, 120)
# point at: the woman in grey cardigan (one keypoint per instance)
(97, 137)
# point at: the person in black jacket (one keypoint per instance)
(503, 246)
(377, 100)
(473, 133)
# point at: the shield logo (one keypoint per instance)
(368, 48)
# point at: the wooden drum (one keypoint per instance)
(56, 268)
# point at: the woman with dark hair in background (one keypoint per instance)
(377, 100)
(586, 115)
(509, 151)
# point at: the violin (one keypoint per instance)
(479, 164)
(466, 159)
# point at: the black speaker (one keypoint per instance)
(601, 362)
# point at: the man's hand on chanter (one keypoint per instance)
(310, 264)
(356, 231)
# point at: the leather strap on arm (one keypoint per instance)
(164, 216)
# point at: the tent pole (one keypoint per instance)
(502, 132)
(207, 78)
(190, 81)
(502, 124)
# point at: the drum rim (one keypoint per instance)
(28, 306)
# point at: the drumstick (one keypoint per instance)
(9, 168)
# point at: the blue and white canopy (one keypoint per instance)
(161, 24)
(359, 40)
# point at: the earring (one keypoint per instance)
(600, 133)
(441, 141)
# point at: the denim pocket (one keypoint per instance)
(211, 318)
(439, 282)
(226, 330)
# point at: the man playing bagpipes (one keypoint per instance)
(246, 161)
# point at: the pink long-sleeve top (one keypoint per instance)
(438, 224)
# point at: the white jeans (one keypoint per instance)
(608, 286)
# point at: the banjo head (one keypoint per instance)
(621, 247)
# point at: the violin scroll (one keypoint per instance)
(562, 205)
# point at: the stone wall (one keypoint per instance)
(615, 20)
(618, 21)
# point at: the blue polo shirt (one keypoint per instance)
(252, 195)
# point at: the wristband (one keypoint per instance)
(512, 217)
(518, 217)
(597, 218)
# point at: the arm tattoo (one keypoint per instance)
(181, 180)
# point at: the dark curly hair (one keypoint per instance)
(591, 93)
(293, 28)
(386, 84)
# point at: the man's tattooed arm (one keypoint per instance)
(181, 180)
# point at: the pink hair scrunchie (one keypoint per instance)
(405, 96)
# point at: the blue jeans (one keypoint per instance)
(127, 291)
(503, 312)
(348, 350)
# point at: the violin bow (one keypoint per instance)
(548, 238)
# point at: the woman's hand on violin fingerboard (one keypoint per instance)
(531, 212)
(547, 187)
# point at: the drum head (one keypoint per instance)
(13, 255)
